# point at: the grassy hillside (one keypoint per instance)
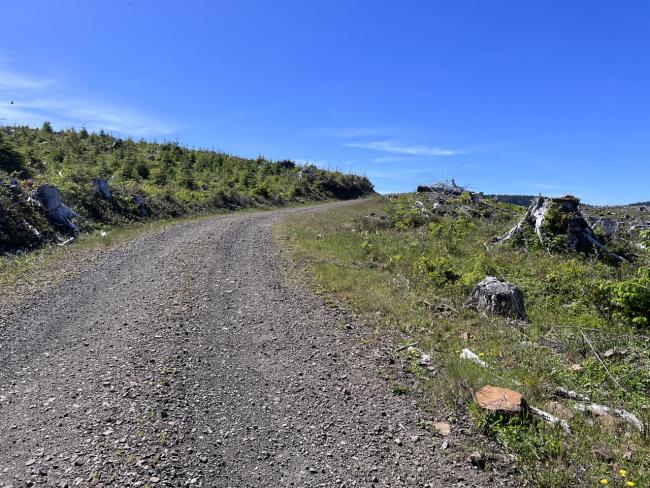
(409, 265)
(174, 180)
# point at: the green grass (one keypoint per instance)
(174, 180)
(413, 275)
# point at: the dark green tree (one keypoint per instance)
(11, 160)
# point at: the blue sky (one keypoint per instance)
(504, 96)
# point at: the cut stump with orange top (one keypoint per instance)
(500, 400)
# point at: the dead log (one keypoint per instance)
(599, 410)
(570, 394)
(550, 418)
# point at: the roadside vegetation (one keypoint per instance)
(43, 268)
(146, 180)
(408, 265)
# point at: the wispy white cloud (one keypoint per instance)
(395, 148)
(401, 173)
(348, 132)
(30, 100)
(10, 81)
(390, 159)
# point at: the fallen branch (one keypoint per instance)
(464, 210)
(406, 346)
(66, 242)
(570, 394)
(601, 361)
(596, 409)
(549, 418)
(599, 410)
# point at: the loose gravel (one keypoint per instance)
(183, 358)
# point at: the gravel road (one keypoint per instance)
(183, 358)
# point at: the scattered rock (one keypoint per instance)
(604, 454)
(498, 298)
(606, 419)
(559, 410)
(466, 336)
(614, 352)
(476, 459)
(470, 355)
(442, 428)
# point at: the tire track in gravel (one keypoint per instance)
(182, 359)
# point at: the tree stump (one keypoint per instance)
(501, 400)
(57, 211)
(102, 189)
(141, 204)
(553, 218)
(498, 297)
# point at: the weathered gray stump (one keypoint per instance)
(57, 211)
(579, 236)
(498, 297)
(141, 204)
(102, 189)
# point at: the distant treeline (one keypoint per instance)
(523, 200)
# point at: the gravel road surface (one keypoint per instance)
(183, 358)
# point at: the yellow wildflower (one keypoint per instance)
(630, 483)
(622, 472)
(604, 481)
